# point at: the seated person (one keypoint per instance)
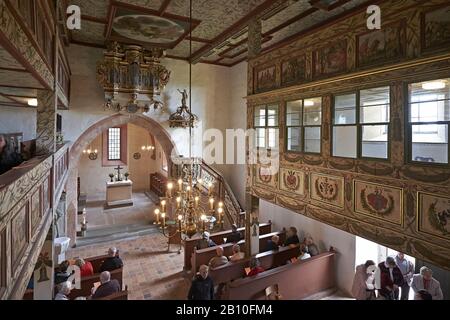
(202, 287)
(113, 262)
(86, 268)
(255, 267)
(205, 242)
(292, 237)
(304, 254)
(107, 286)
(9, 158)
(61, 274)
(219, 259)
(237, 254)
(273, 243)
(64, 291)
(311, 247)
(235, 235)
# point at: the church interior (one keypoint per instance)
(224, 150)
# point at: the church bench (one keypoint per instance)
(121, 295)
(203, 256)
(190, 244)
(268, 260)
(297, 280)
(87, 283)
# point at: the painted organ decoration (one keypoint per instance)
(132, 78)
(379, 201)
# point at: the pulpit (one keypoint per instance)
(119, 193)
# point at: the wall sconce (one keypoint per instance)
(92, 154)
(147, 148)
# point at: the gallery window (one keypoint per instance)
(429, 120)
(361, 124)
(265, 124)
(115, 146)
(303, 125)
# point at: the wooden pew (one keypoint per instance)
(203, 256)
(295, 281)
(87, 283)
(268, 259)
(121, 295)
(217, 237)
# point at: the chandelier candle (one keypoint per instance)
(211, 204)
(169, 190)
(157, 216)
(180, 185)
(196, 199)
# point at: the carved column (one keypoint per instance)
(46, 122)
(254, 38)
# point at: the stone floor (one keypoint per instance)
(149, 271)
(97, 216)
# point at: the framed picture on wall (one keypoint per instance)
(435, 28)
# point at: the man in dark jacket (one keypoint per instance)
(107, 287)
(292, 237)
(273, 243)
(202, 287)
(235, 235)
(113, 262)
(391, 278)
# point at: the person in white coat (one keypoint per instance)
(425, 281)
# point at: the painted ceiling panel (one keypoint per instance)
(7, 61)
(93, 8)
(4, 99)
(19, 78)
(91, 32)
(151, 4)
(19, 91)
(182, 49)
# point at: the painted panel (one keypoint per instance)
(265, 79)
(381, 46)
(330, 60)
(293, 70)
(264, 176)
(36, 214)
(436, 29)
(379, 201)
(292, 181)
(19, 236)
(433, 215)
(3, 260)
(327, 189)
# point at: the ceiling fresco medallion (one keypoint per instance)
(146, 28)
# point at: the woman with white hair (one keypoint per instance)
(64, 291)
(425, 281)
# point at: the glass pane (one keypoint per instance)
(372, 114)
(261, 137)
(312, 114)
(430, 143)
(345, 109)
(260, 116)
(312, 139)
(344, 141)
(430, 111)
(294, 139)
(375, 141)
(374, 96)
(294, 113)
(272, 138)
(420, 90)
(272, 116)
(114, 144)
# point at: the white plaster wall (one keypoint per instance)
(14, 119)
(93, 175)
(210, 92)
(324, 236)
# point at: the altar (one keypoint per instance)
(119, 193)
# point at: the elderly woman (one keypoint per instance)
(425, 281)
(64, 291)
(86, 268)
(9, 158)
(363, 282)
(255, 267)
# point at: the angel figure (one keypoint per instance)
(184, 96)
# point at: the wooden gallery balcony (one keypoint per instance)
(28, 195)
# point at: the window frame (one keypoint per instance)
(266, 127)
(359, 125)
(409, 127)
(123, 148)
(302, 126)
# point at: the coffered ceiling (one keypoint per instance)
(219, 28)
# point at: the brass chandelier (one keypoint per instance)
(181, 208)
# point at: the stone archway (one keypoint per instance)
(88, 136)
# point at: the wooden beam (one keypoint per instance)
(196, 39)
(163, 7)
(94, 19)
(176, 57)
(240, 24)
(88, 44)
(13, 69)
(288, 22)
(13, 100)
